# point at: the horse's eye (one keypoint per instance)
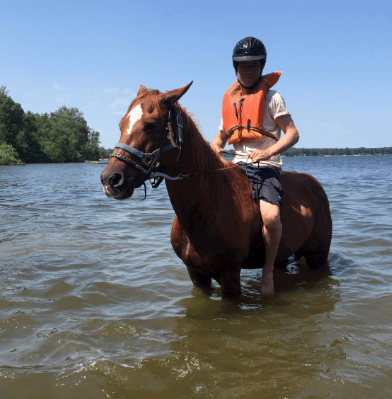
(150, 126)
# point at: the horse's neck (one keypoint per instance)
(201, 192)
(198, 155)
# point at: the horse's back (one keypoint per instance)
(302, 189)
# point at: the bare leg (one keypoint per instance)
(272, 233)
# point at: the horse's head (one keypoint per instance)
(143, 136)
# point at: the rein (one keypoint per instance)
(181, 176)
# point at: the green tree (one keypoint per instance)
(8, 155)
(28, 142)
(91, 148)
(104, 153)
(11, 118)
(65, 136)
(62, 136)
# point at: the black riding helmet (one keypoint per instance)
(249, 49)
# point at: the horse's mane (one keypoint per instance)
(205, 159)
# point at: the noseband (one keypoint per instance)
(150, 160)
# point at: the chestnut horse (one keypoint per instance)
(217, 230)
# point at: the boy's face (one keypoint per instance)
(248, 72)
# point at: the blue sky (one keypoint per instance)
(335, 58)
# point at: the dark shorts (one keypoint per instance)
(265, 183)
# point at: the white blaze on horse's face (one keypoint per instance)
(135, 115)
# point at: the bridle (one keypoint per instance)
(151, 169)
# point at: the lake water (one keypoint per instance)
(95, 304)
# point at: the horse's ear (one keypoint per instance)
(142, 90)
(173, 96)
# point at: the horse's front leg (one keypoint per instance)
(200, 280)
(230, 282)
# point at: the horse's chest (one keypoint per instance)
(212, 256)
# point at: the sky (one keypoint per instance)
(335, 58)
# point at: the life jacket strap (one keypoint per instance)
(249, 128)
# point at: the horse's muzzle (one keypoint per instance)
(117, 185)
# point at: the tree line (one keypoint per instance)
(312, 152)
(304, 152)
(61, 136)
(315, 152)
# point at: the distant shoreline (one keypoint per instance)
(291, 153)
(330, 152)
(334, 155)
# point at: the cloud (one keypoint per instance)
(64, 100)
(111, 90)
(58, 87)
(120, 103)
(30, 95)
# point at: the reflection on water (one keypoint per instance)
(94, 303)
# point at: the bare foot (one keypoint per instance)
(267, 285)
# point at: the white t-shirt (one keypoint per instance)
(274, 107)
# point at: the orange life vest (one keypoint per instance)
(243, 115)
